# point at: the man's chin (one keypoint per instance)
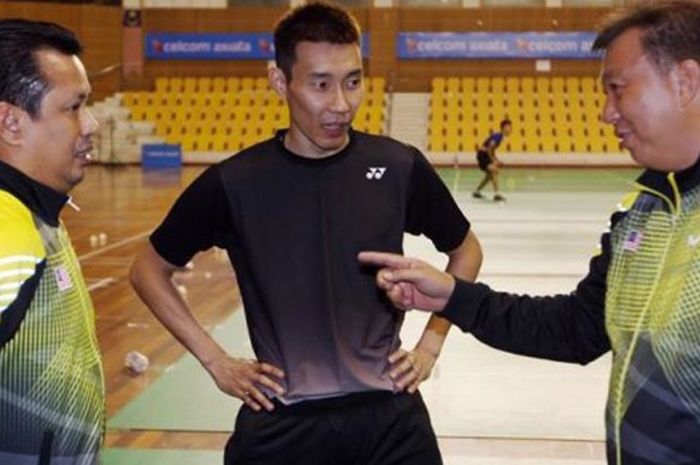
(76, 177)
(335, 143)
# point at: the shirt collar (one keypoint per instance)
(43, 201)
(686, 179)
(295, 157)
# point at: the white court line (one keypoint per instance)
(455, 184)
(531, 275)
(533, 221)
(115, 261)
(113, 246)
(101, 283)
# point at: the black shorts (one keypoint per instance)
(376, 428)
(484, 160)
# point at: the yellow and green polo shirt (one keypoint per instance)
(641, 300)
(52, 405)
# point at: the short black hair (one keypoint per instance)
(506, 122)
(315, 22)
(21, 80)
(670, 30)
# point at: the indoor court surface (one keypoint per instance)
(487, 407)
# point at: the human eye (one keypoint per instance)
(75, 107)
(320, 85)
(354, 82)
(614, 88)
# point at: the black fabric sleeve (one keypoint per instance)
(196, 222)
(431, 208)
(568, 328)
(14, 315)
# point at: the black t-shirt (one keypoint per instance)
(293, 227)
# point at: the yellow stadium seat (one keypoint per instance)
(204, 84)
(573, 85)
(498, 85)
(452, 142)
(220, 143)
(130, 99)
(542, 85)
(438, 85)
(261, 83)
(468, 85)
(249, 138)
(162, 85)
(588, 85)
(176, 85)
(247, 83)
(218, 85)
(483, 86)
(513, 85)
(548, 144)
(453, 85)
(557, 85)
(597, 144)
(190, 85)
(377, 85)
(189, 143)
(233, 84)
(437, 142)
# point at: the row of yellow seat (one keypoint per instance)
(201, 99)
(516, 84)
(549, 114)
(207, 84)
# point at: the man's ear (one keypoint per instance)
(278, 81)
(10, 124)
(688, 78)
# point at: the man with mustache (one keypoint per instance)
(51, 382)
(641, 298)
(330, 383)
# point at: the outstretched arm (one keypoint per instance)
(567, 327)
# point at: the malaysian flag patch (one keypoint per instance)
(633, 241)
(62, 277)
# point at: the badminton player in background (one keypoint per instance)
(489, 163)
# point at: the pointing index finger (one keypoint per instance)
(391, 260)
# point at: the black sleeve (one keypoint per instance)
(14, 314)
(568, 328)
(431, 208)
(198, 220)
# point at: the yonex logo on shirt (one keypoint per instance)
(375, 172)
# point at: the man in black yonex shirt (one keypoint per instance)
(331, 384)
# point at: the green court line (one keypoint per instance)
(119, 456)
(185, 397)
